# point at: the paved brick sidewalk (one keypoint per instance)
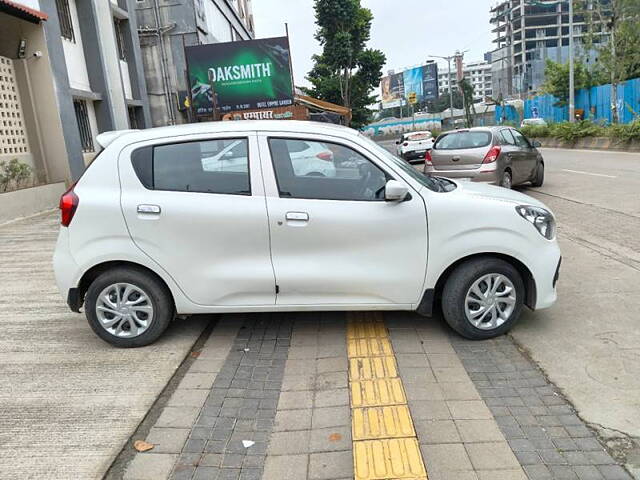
(480, 410)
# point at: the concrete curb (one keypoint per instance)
(590, 143)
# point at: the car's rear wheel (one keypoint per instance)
(507, 180)
(483, 298)
(539, 178)
(127, 307)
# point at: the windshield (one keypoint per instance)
(427, 181)
(463, 140)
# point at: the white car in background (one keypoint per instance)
(155, 228)
(309, 159)
(414, 145)
(536, 122)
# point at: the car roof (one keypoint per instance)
(241, 126)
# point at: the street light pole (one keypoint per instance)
(448, 59)
(572, 90)
(450, 90)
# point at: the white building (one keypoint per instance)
(477, 73)
(74, 69)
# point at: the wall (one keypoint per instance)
(74, 54)
(28, 201)
(596, 102)
(39, 97)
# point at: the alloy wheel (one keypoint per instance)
(490, 301)
(124, 310)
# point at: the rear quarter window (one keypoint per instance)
(463, 140)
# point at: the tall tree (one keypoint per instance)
(613, 30)
(469, 106)
(346, 72)
(556, 80)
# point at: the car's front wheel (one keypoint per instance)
(483, 298)
(127, 307)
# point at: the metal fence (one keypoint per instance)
(595, 102)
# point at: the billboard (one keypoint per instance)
(392, 90)
(413, 82)
(430, 81)
(421, 81)
(245, 75)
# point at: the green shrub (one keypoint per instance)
(624, 132)
(570, 132)
(535, 131)
(14, 172)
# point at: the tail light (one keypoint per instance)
(427, 159)
(326, 156)
(68, 205)
(492, 155)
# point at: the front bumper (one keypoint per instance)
(483, 174)
(545, 269)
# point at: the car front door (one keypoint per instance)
(196, 207)
(335, 241)
(529, 155)
(511, 155)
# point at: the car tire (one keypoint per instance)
(457, 295)
(507, 180)
(539, 178)
(156, 296)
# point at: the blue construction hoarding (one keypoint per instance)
(595, 102)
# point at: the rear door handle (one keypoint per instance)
(455, 159)
(145, 208)
(297, 216)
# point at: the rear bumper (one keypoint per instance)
(414, 154)
(482, 174)
(65, 267)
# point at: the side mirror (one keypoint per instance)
(536, 144)
(394, 191)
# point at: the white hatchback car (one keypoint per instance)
(150, 232)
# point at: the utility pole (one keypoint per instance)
(448, 59)
(572, 87)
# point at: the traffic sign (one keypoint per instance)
(412, 98)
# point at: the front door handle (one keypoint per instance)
(145, 208)
(455, 159)
(297, 216)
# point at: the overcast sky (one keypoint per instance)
(407, 31)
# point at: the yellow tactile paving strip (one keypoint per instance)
(385, 446)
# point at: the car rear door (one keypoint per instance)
(528, 154)
(462, 150)
(334, 240)
(195, 205)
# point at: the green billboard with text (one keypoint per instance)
(244, 75)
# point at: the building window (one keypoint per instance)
(120, 39)
(84, 127)
(64, 17)
(133, 118)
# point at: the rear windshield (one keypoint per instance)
(418, 136)
(461, 140)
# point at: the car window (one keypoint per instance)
(506, 137)
(462, 140)
(520, 139)
(212, 166)
(325, 171)
(296, 146)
